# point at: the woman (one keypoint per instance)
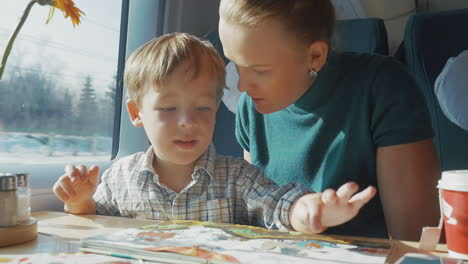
(323, 118)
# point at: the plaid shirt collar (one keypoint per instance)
(204, 164)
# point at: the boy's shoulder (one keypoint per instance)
(233, 166)
(234, 161)
(130, 162)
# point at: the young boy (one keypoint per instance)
(175, 84)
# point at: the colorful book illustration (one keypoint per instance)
(414, 258)
(181, 241)
(64, 258)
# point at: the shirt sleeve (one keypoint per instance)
(400, 114)
(268, 205)
(105, 202)
(242, 122)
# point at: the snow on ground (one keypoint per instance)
(36, 148)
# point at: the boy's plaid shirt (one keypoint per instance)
(223, 189)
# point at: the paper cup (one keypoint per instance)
(454, 188)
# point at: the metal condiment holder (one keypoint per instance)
(17, 233)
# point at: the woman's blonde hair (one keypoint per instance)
(154, 62)
(307, 20)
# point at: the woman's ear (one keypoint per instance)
(134, 113)
(317, 55)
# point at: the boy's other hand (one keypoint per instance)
(314, 213)
(77, 186)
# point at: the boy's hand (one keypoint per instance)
(77, 187)
(314, 213)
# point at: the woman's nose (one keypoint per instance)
(242, 85)
(242, 81)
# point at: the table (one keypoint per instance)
(61, 232)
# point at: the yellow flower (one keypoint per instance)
(69, 10)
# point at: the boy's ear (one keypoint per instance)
(134, 113)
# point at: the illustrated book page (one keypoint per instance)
(196, 242)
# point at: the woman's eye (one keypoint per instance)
(259, 72)
(203, 108)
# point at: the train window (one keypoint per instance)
(58, 91)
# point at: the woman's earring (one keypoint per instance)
(313, 74)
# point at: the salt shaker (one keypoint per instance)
(24, 197)
(8, 200)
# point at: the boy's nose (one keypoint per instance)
(186, 120)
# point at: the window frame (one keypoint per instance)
(44, 175)
(141, 20)
(144, 23)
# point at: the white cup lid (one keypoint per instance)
(456, 180)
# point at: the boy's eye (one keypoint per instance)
(166, 109)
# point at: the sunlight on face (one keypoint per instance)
(179, 116)
(272, 65)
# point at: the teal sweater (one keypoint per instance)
(330, 135)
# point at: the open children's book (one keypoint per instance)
(415, 258)
(180, 241)
(65, 258)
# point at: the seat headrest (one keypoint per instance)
(451, 89)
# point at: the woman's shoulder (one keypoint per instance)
(369, 62)
(373, 69)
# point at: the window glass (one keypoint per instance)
(57, 94)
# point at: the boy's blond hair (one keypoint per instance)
(307, 20)
(154, 62)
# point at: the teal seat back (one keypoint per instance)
(430, 40)
(224, 137)
(367, 35)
